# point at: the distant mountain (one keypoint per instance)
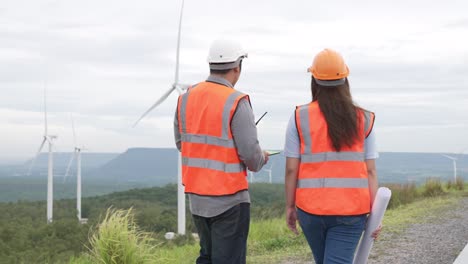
(61, 159)
(89, 161)
(417, 167)
(148, 167)
(154, 166)
(157, 167)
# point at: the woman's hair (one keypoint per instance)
(339, 111)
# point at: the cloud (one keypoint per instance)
(107, 62)
(460, 23)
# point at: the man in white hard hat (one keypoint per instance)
(215, 130)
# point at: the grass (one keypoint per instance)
(396, 220)
(269, 240)
(402, 194)
(432, 188)
(457, 185)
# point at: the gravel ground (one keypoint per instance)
(437, 241)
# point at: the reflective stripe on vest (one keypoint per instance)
(210, 164)
(332, 156)
(330, 182)
(333, 183)
(210, 140)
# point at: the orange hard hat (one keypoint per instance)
(329, 68)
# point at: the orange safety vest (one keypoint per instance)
(330, 182)
(210, 164)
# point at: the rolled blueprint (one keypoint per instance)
(375, 218)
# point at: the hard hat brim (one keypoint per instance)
(331, 82)
(226, 66)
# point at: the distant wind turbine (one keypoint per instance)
(269, 172)
(181, 88)
(50, 167)
(76, 154)
(251, 176)
(454, 160)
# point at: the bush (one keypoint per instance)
(402, 194)
(432, 188)
(450, 185)
(460, 184)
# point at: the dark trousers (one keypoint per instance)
(223, 238)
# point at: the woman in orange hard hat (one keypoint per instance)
(331, 178)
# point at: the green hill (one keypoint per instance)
(26, 238)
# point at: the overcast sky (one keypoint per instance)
(108, 61)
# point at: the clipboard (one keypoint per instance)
(272, 152)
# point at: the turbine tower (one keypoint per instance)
(454, 160)
(50, 167)
(251, 176)
(181, 88)
(76, 154)
(269, 172)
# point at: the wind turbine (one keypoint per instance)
(181, 88)
(76, 154)
(454, 160)
(269, 172)
(50, 167)
(251, 175)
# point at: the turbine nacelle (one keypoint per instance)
(51, 137)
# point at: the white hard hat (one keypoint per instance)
(225, 54)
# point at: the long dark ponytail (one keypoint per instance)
(340, 113)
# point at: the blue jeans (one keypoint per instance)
(223, 238)
(332, 239)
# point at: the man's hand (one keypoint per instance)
(266, 157)
(291, 219)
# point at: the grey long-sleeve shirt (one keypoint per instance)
(244, 133)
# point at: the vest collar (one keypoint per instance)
(219, 80)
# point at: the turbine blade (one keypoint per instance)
(45, 109)
(165, 95)
(449, 157)
(69, 166)
(37, 155)
(183, 86)
(178, 45)
(73, 127)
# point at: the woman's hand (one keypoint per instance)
(291, 219)
(376, 232)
